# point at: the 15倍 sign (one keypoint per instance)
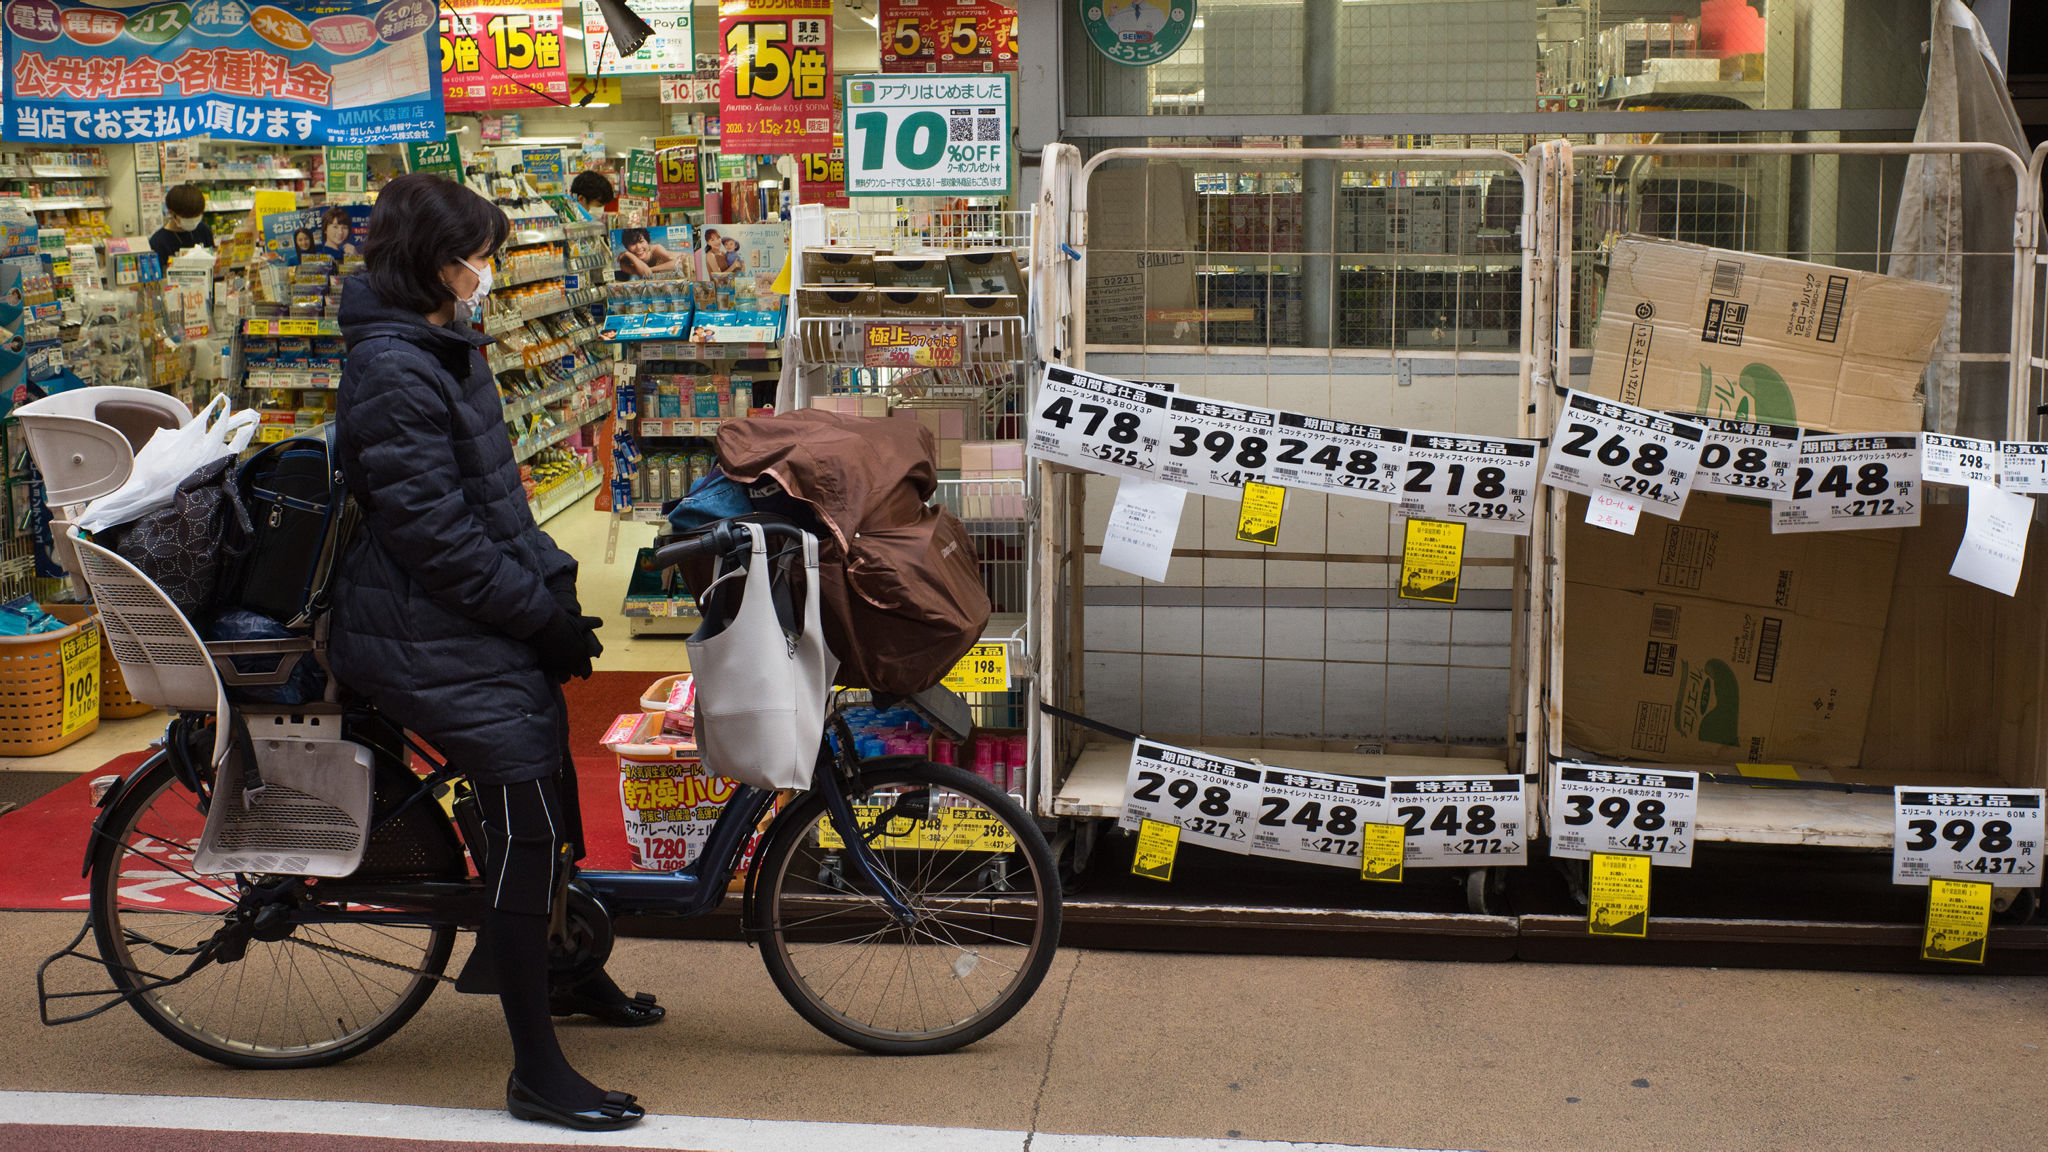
(942, 135)
(775, 76)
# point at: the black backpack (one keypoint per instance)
(303, 518)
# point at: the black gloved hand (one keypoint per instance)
(566, 644)
(563, 589)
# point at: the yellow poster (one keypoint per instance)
(1432, 561)
(1958, 921)
(1619, 884)
(946, 829)
(268, 200)
(81, 678)
(1381, 851)
(1158, 843)
(1258, 514)
(985, 668)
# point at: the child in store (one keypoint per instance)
(184, 223)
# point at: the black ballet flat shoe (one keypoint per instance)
(616, 1110)
(638, 1012)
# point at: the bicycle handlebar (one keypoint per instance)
(721, 537)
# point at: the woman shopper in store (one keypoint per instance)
(456, 616)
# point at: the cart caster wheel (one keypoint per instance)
(1476, 891)
(2022, 908)
(996, 876)
(1574, 873)
(832, 874)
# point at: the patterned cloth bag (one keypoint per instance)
(192, 547)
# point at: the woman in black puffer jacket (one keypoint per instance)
(455, 614)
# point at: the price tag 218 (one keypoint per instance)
(1486, 482)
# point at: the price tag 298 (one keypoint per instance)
(1097, 423)
(1746, 458)
(1957, 460)
(1460, 821)
(1646, 812)
(1606, 446)
(1212, 798)
(1315, 817)
(1852, 482)
(1486, 482)
(1967, 834)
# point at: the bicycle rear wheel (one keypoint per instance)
(967, 859)
(272, 993)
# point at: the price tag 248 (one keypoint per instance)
(1315, 817)
(1607, 446)
(1852, 482)
(1097, 423)
(1646, 812)
(1967, 834)
(1340, 457)
(1460, 821)
(1212, 798)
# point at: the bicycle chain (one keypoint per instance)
(340, 951)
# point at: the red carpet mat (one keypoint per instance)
(42, 845)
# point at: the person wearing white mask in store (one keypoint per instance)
(184, 223)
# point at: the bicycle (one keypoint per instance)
(925, 931)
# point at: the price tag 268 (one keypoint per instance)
(1486, 482)
(1746, 458)
(1459, 821)
(1599, 808)
(1212, 798)
(1967, 834)
(1097, 423)
(1607, 446)
(1852, 482)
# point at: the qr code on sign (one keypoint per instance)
(988, 126)
(809, 33)
(960, 126)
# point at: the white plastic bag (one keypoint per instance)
(760, 697)
(171, 455)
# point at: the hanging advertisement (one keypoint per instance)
(640, 179)
(928, 135)
(314, 74)
(676, 179)
(1137, 32)
(348, 169)
(502, 54)
(821, 176)
(947, 36)
(436, 156)
(909, 40)
(671, 48)
(690, 89)
(544, 166)
(775, 76)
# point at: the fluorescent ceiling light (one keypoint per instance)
(573, 33)
(874, 22)
(1200, 23)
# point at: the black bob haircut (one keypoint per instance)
(422, 223)
(592, 186)
(632, 236)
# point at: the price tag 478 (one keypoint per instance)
(1097, 423)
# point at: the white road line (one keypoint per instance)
(347, 1118)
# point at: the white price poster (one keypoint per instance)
(2023, 466)
(1603, 808)
(916, 135)
(1746, 458)
(1606, 446)
(1852, 481)
(1459, 821)
(1967, 834)
(1957, 460)
(1316, 817)
(1486, 482)
(1217, 448)
(1211, 798)
(1339, 457)
(1098, 423)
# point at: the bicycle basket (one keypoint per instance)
(312, 817)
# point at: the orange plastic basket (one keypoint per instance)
(32, 693)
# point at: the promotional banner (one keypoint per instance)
(677, 182)
(672, 47)
(947, 36)
(775, 76)
(640, 181)
(335, 233)
(348, 169)
(434, 156)
(502, 54)
(821, 177)
(544, 166)
(314, 74)
(927, 135)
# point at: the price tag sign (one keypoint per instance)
(1967, 834)
(1098, 423)
(2023, 466)
(1648, 812)
(1432, 561)
(1383, 848)
(1618, 891)
(81, 655)
(1958, 921)
(1607, 446)
(985, 668)
(1216, 448)
(1339, 457)
(1211, 798)
(1957, 460)
(1459, 821)
(1258, 514)
(1316, 817)
(1158, 844)
(1488, 483)
(1858, 481)
(1745, 458)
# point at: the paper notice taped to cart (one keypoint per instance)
(1994, 548)
(1142, 526)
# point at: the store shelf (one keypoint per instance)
(293, 380)
(519, 406)
(1645, 85)
(1752, 815)
(523, 236)
(216, 207)
(521, 454)
(551, 504)
(291, 327)
(545, 306)
(674, 616)
(692, 350)
(198, 176)
(63, 170)
(62, 203)
(1095, 786)
(842, 341)
(554, 271)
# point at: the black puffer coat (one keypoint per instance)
(449, 573)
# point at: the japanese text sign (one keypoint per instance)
(671, 48)
(775, 76)
(502, 54)
(927, 135)
(677, 182)
(315, 74)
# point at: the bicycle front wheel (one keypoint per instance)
(224, 975)
(974, 868)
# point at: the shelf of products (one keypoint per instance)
(563, 493)
(67, 190)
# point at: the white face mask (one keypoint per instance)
(186, 223)
(475, 299)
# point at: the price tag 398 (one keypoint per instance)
(1967, 834)
(1098, 423)
(1459, 821)
(1852, 482)
(1212, 798)
(1486, 482)
(1607, 446)
(1644, 812)
(1217, 448)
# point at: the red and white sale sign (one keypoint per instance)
(502, 54)
(775, 76)
(821, 176)
(947, 36)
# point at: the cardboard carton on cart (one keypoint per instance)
(1739, 336)
(668, 800)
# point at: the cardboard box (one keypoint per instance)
(839, 267)
(984, 305)
(1142, 254)
(985, 272)
(1694, 329)
(813, 303)
(892, 303)
(912, 272)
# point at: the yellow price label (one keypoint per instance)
(944, 830)
(985, 668)
(1158, 843)
(1258, 513)
(1619, 886)
(1958, 921)
(81, 655)
(259, 327)
(273, 433)
(1381, 850)
(1432, 560)
(298, 327)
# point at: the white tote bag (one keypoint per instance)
(171, 455)
(760, 696)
